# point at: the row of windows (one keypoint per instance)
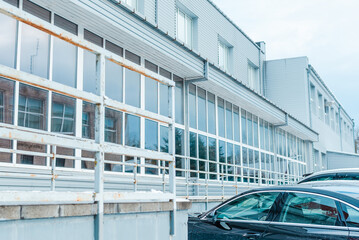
(326, 112)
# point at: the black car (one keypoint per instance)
(318, 211)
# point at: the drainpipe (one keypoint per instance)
(354, 136)
(275, 146)
(340, 128)
(310, 103)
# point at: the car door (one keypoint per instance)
(307, 216)
(245, 217)
(351, 216)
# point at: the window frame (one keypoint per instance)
(188, 21)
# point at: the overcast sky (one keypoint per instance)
(326, 31)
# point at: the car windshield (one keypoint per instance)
(332, 176)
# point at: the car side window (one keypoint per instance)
(351, 216)
(309, 209)
(250, 207)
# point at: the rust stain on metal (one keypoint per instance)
(32, 175)
(42, 28)
(136, 70)
(79, 199)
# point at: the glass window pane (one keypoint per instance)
(192, 106)
(179, 103)
(151, 92)
(114, 81)
(189, 31)
(28, 158)
(202, 114)
(193, 144)
(164, 101)
(309, 209)
(90, 74)
(212, 149)
(250, 129)
(133, 88)
(351, 216)
(88, 120)
(132, 131)
(179, 141)
(8, 40)
(250, 207)
(211, 114)
(151, 137)
(32, 107)
(202, 147)
(63, 114)
(34, 51)
(113, 126)
(164, 139)
(236, 124)
(6, 100)
(244, 127)
(229, 120)
(64, 63)
(180, 26)
(255, 132)
(221, 123)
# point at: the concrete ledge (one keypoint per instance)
(74, 210)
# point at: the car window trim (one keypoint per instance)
(240, 196)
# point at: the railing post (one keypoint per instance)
(135, 161)
(99, 139)
(53, 168)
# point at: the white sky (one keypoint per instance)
(327, 31)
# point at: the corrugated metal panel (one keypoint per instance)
(150, 10)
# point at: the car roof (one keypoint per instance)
(339, 170)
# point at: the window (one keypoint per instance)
(32, 107)
(229, 122)
(8, 43)
(309, 209)
(151, 95)
(184, 28)
(63, 114)
(320, 106)
(132, 131)
(131, 3)
(179, 103)
(164, 100)
(221, 123)
(90, 74)
(202, 114)
(253, 77)
(114, 81)
(312, 99)
(223, 56)
(151, 137)
(133, 88)
(113, 126)
(164, 139)
(88, 120)
(326, 111)
(250, 207)
(351, 216)
(6, 100)
(35, 51)
(211, 113)
(192, 106)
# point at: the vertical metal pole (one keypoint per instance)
(53, 168)
(135, 161)
(99, 139)
(172, 170)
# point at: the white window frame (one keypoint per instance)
(253, 77)
(223, 56)
(132, 3)
(187, 39)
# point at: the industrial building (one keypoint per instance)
(135, 112)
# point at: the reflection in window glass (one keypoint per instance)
(32, 107)
(237, 161)
(229, 120)
(149, 170)
(88, 120)
(250, 129)
(63, 114)
(309, 209)
(236, 124)
(164, 101)
(179, 103)
(164, 139)
(193, 144)
(250, 207)
(31, 159)
(202, 115)
(6, 157)
(132, 131)
(151, 93)
(34, 51)
(114, 81)
(351, 216)
(64, 63)
(245, 164)
(113, 126)
(113, 158)
(179, 136)
(133, 88)
(202, 147)
(6, 100)
(230, 161)
(192, 106)
(8, 40)
(211, 114)
(244, 127)
(90, 77)
(212, 155)
(221, 123)
(151, 137)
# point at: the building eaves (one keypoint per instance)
(329, 91)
